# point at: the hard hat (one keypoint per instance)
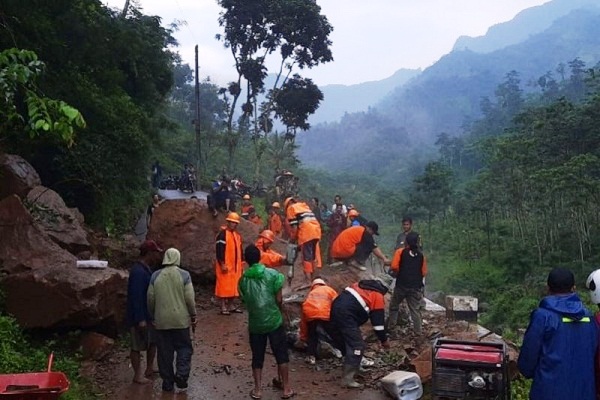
(233, 217)
(267, 234)
(317, 281)
(353, 213)
(276, 205)
(287, 202)
(246, 197)
(593, 284)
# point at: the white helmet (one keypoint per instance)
(593, 284)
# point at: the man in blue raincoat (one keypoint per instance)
(560, 344)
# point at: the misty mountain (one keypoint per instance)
(527, 23)
(443, 97)
(341, 99)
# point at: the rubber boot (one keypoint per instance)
(348, 377)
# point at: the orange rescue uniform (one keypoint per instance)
(256, 219)
(316, 306)
(305, 228)
(228, 253)
(246, 210)
(344, 245)
(275, 225)
(269, 257)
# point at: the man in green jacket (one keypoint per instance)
(172, 306)
(260, 290)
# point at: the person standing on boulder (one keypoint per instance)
(138, 317)
(306, 232)
(172, 305)
(261, 292)
(228, 263)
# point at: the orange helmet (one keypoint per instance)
(246, 197)
(276, 205)
(268, 235)
(353, 213)
(287, 202)
(233, 217)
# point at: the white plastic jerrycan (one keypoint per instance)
(403, 385)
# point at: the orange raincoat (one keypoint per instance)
(229, 253)
(269, 257)
(344, 246)
(316, 306)
(307, 228)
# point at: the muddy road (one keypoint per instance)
(221, 367)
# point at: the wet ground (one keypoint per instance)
(221, 368)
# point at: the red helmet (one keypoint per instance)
(268, 235)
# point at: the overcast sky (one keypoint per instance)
(371, 39)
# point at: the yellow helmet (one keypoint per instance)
(268, 235)
(233, 217)
(276, 205)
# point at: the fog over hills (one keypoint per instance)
(448, 93)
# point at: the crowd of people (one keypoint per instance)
(559, 347)
(162, 310)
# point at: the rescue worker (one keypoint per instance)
(306, 231)
(228, 263)
(246, 206)
(268, 256)
(560, 344)
(274, 223)
(316, 311)
(353, 218)
(352, 308)
(356, 243)
(254, 217)
(409, 266)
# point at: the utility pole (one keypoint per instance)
(197, 126)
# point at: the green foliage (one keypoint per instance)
(118, 72)
(19, 71)
(19, 354)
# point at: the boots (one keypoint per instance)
(348, 377)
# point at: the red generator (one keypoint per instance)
(470, 370)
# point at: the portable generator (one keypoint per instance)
(470, 370)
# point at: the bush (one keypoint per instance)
(18, 354)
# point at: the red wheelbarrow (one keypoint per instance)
(34, 385)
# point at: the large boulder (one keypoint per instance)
(57, 220)
(188, 226)
(17, 176)
(43, 288)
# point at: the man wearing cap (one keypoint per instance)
(172, 305)
(138, 317)
(315, 314)
(355, 305)
(228, 263)
(356, 243)
(246, 206)
(306, 231)
(560, 344)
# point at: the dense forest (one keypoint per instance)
(97, 95)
